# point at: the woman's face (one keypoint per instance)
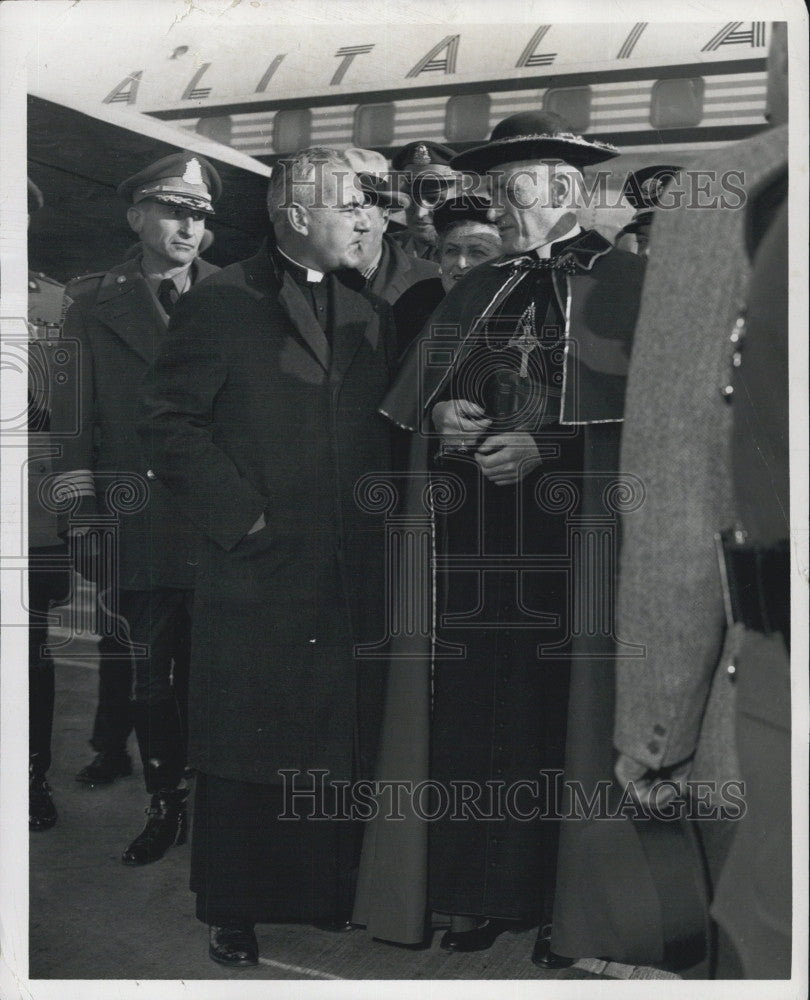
(465, 246)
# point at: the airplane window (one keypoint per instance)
(374, 125)
(291, 130)
(467, 117)
(573, 103)
(677, 103)
(219, 129)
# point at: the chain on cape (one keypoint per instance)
(562, 262)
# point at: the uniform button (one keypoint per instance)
(654, 746)
(120, 279)
(150, 474)
(731, 670)
(659, 730)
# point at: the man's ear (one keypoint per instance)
(135, 219)
(561, 191)
(298, 218)
(386, 214)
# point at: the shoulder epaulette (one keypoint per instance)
(86, 277)
(46, 279)
(83, 284)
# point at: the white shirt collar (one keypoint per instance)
(544, 251)
(312, 274)
(182, 280)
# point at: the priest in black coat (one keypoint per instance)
(260, 417)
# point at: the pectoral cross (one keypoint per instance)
(526, 340)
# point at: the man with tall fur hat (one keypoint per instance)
(120, 319)
(514, 392)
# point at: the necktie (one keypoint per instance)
(168, 295)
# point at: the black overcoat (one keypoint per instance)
(249, 410)
(113, 331)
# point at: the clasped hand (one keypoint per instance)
(503, 458)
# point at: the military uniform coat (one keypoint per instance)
(250, 410)
(114, 327)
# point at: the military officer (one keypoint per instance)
(120, 319)
(47, 582)
(426, 169)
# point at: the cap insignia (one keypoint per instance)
(193, 172)
(421, 155)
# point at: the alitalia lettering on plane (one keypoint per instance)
(538, 50)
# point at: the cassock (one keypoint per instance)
(543, 347)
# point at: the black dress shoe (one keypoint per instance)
(105, 768)
(234, 946)
(41, 810)
(545, 958)
(478, 939)
(166, 826)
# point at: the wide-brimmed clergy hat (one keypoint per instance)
(375, 177)
(461, 208)
(534, 135)
(186, 179)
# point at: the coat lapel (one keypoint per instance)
(393, 273)
(125, 305)
(353, 320)
(297, 308)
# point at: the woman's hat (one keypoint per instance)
(461, 208)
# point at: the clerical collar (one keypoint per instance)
(183, 280)
(299, 271)
(552, 249)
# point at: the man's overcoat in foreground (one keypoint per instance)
(677, 704)
(250, 410)
(674, 701)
